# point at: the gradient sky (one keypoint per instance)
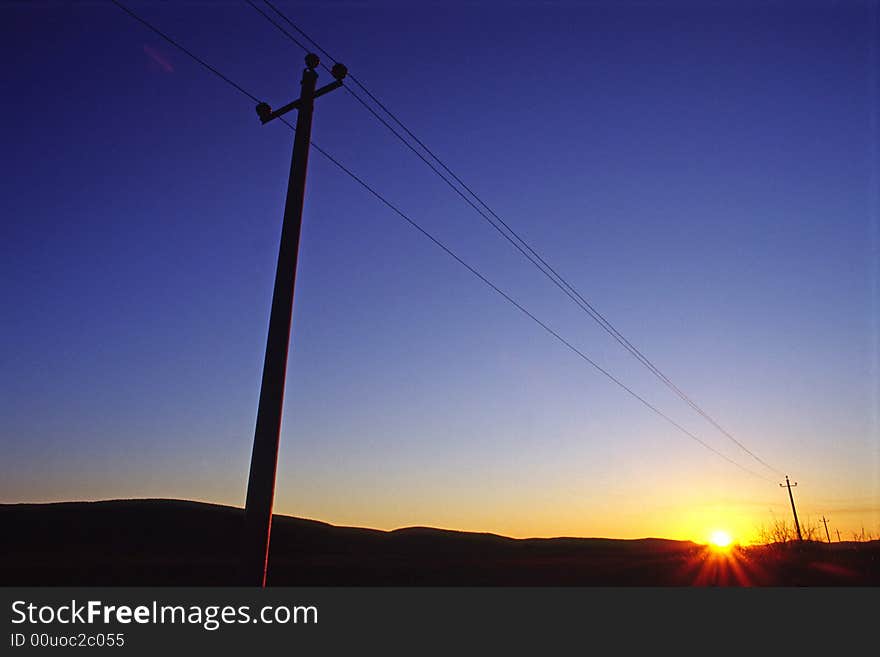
(706, 173)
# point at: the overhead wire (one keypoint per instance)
(510, 235)
(451, 253)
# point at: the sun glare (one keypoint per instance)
(720, 539)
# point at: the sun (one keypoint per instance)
(720, 539)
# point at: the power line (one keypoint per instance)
(289, 35)
(550, 272)
(453, 255)
(515, 303)
(513, 237)
(180, 47)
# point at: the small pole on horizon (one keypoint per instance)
(797, 525)
(838, 535)
(827, 535)
(264, 458)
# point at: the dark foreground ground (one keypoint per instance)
(171, 542)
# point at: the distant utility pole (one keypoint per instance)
(264, 458)
(827, 535)
(838, 535)
(797, 525)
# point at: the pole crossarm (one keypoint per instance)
(266, 113)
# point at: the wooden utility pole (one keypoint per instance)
(264, 458)
(838, 535)
(797, 525)
(827, 535)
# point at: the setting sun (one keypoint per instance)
(720, 539)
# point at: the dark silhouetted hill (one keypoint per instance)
(173, 542)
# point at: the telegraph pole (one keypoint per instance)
(797, 525)
(264, 458)
(838, 535)
(827, 535)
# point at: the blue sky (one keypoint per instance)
(704, 173)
